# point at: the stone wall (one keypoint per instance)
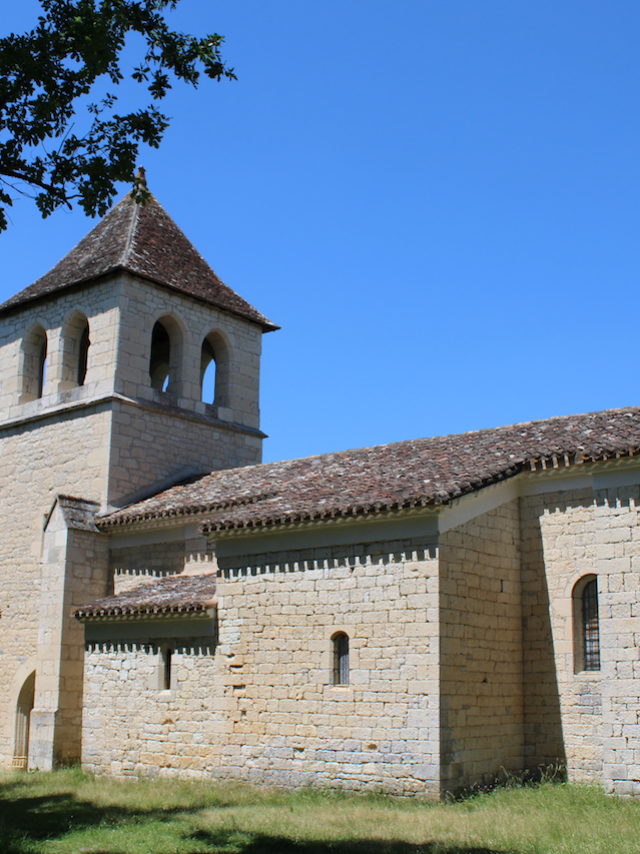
(47, 457)
(107, 439)
(564, 707)
(188, 322)
(263, 707)
(481, 649)
(74, 571)
(616, 512)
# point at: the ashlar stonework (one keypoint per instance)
(416, 618)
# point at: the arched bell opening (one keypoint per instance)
(214, 370)
(75, 351)
(165, 361)
(33, 363)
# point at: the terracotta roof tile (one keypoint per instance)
(145, 241)
(405, 474)
(79, 513)
(183, 594)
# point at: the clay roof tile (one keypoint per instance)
(145, 241)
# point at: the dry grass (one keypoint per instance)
(70, 813)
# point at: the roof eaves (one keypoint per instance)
(191, 610)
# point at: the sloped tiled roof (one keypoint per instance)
(184, 594)
(405, 474)
(79, 513)
(145, 241)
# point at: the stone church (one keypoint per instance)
(414, 618)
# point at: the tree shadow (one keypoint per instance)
(26, 821)
(267, 844)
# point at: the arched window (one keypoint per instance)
(586, 624)
(207, 372)
(167, 355)
(160, 362)
(340, 643)
(34, 363)
(75, 351)
(83, 354)
(42, 366)
(23, 715)
(214, 370)
(167, 654)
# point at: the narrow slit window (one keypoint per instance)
(166, 668)
(590, 626)
(83, 355)
(341, 659)
(42, 367)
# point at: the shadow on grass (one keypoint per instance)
(27, 822)
(267, 844)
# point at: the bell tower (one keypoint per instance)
(101, 375)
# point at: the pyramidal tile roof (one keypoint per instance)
(145, 241)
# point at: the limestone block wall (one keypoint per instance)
(133, 565)
(616, 511)
(481, 719)
(593, 715)
(564, 707)
(74, 571)
(130, 566)
(150, 444)
(188, 323)
(100, 304)
(263, 706)
(61, 454)
(132, 726)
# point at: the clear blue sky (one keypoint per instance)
(436, 200)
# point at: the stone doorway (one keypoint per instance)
(23, 715)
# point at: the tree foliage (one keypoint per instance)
(45, 76)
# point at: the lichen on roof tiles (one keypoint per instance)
(418, 473)
(174, 594)
(143, 240)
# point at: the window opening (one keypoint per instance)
(207, 372)
(166, 667)
(83, 354)
(590, 626)
(341, 659)
(160, 357)
(42, 367)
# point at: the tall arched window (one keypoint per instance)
(586, 624)
(340, 642)
(207, 372)
(83, 354)
(75, 351)
(167, 355)
(42, 366)
(160, 361)
(33, 363)
(214, 370)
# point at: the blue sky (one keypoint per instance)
(436, 200)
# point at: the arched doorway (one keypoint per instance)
(23, 714)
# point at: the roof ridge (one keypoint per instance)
(146, 242)
(132, 229)
(422, 472)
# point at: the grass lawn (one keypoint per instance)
(67, 811)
